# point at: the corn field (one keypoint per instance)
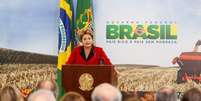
(151, 79)
(134, 78)
(25, 75)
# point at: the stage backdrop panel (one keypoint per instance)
(146, 32)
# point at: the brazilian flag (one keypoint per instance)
(66, 39)
(84, 15)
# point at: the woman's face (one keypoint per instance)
(87, 41)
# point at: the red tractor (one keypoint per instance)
(190, 67)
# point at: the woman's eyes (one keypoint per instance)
(87, 38)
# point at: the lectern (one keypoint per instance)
(84, 78)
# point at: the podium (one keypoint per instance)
(84, 78)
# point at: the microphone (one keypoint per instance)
(101, 60)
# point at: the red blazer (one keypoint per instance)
(96, 56)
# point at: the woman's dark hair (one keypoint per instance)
(194, 94)
(72, 96)
(84, 33)
(8, 93)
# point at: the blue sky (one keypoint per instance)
(32, 26)
(29, 25)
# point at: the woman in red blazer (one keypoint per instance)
(88, 53)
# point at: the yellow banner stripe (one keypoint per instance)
(174, 29)
(63, 57)
(64, 5)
